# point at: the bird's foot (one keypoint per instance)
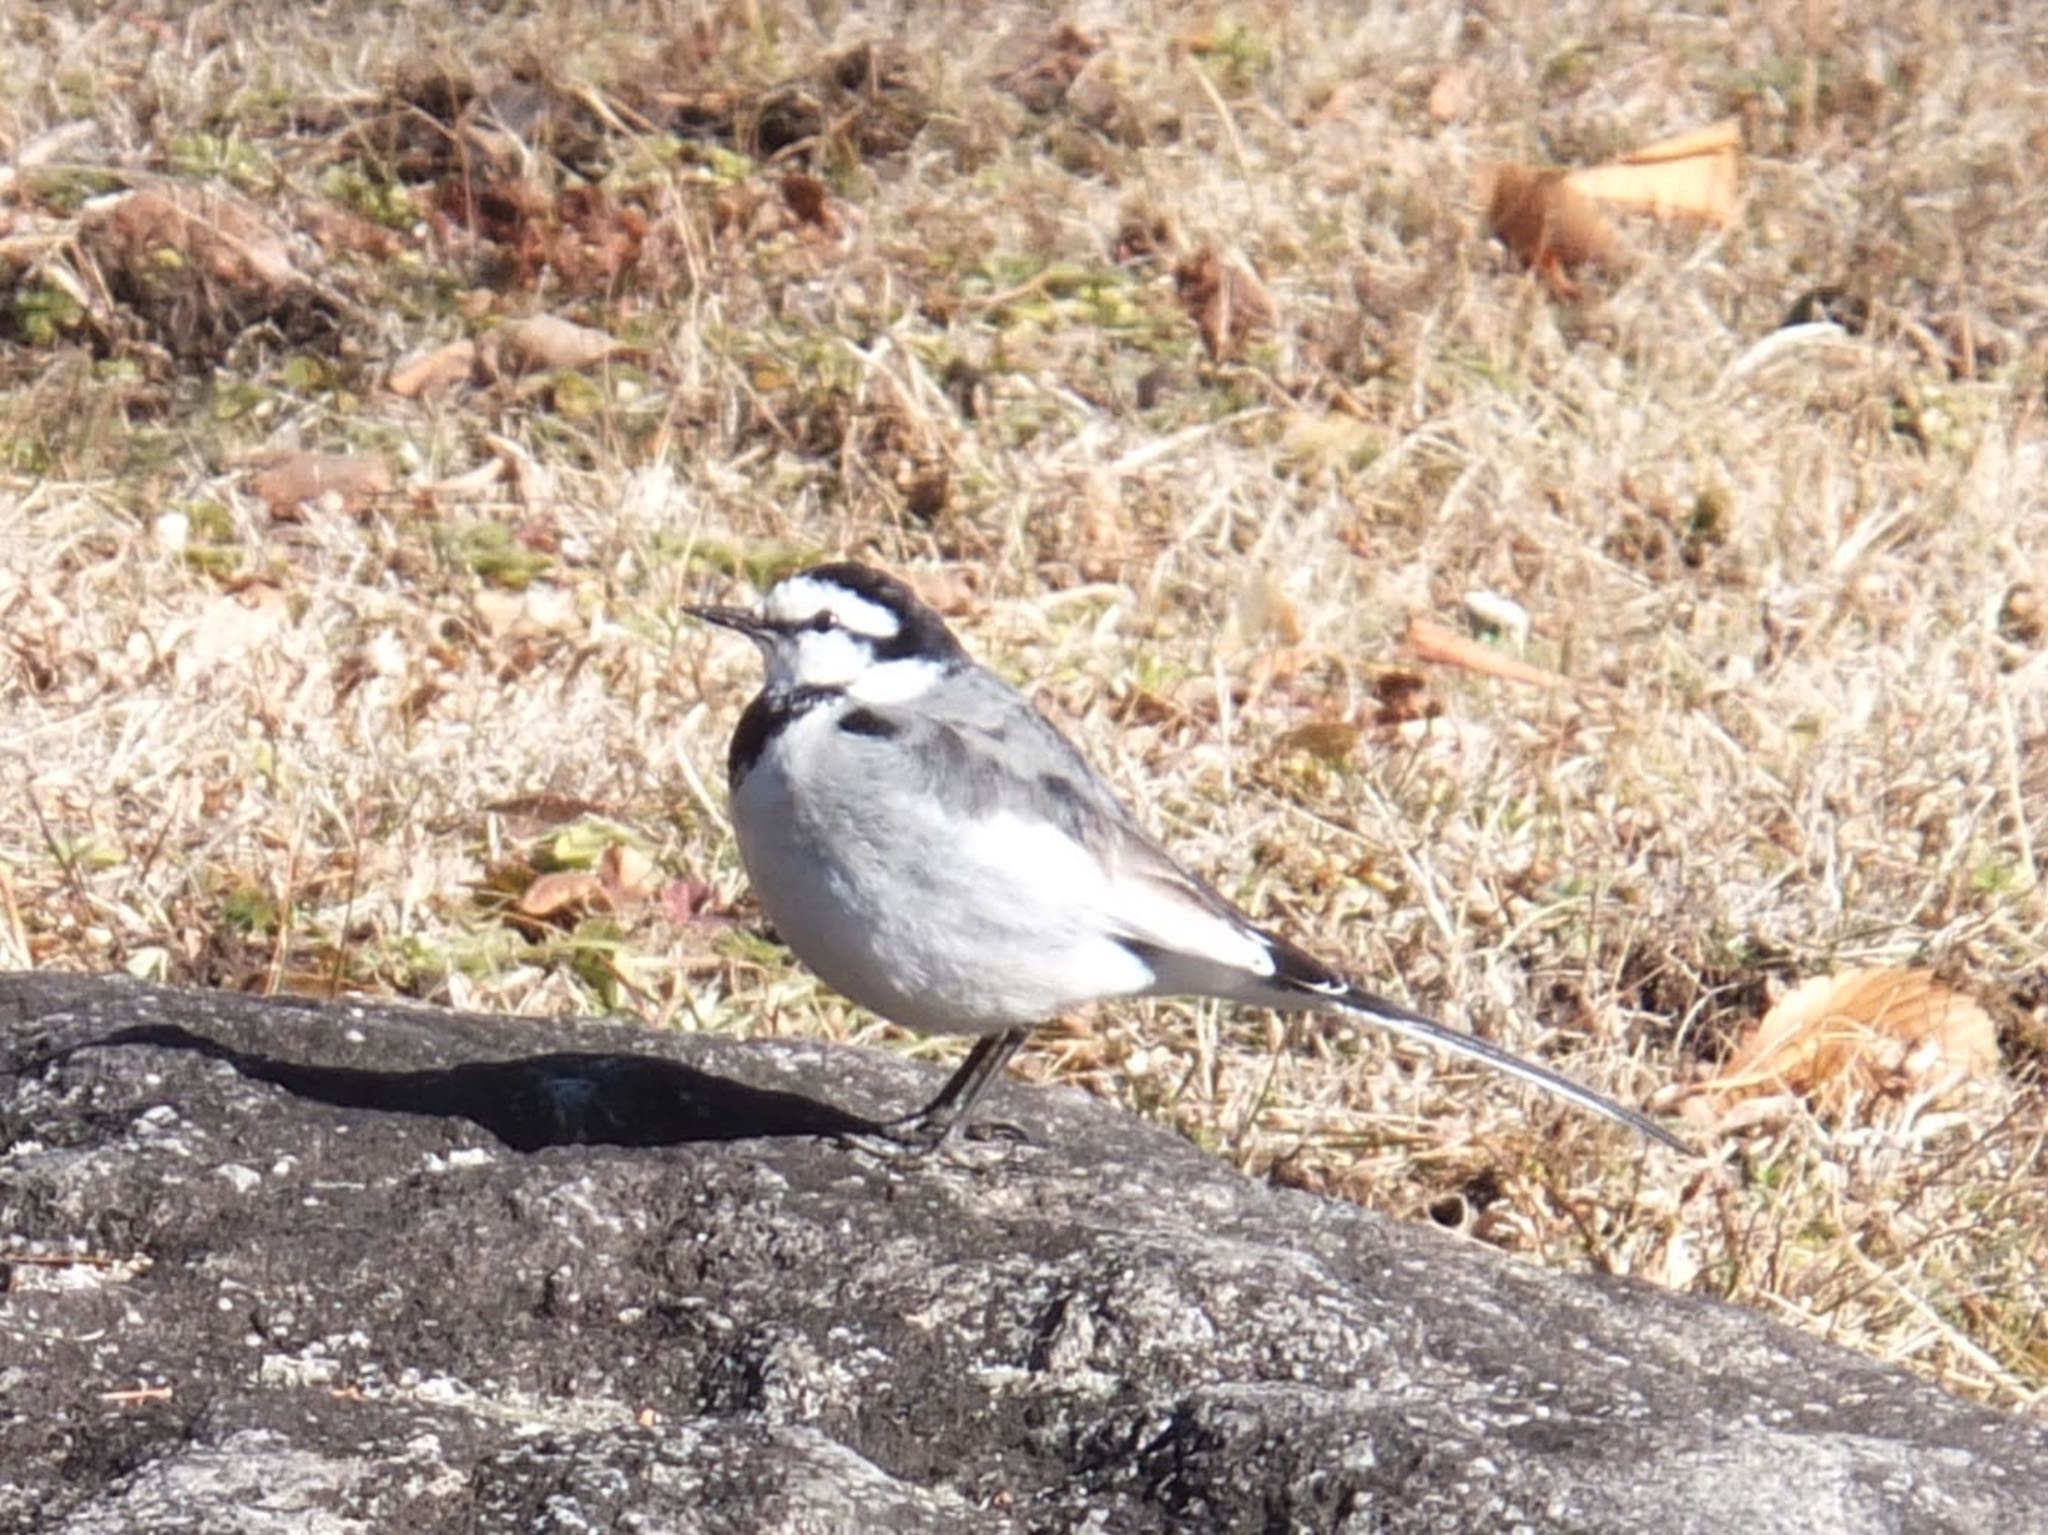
(916, 1136)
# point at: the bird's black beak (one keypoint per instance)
(747, 622)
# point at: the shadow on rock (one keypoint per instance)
(562, 1099)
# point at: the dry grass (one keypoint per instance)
(1798, 601)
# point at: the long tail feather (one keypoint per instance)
(1313, 985)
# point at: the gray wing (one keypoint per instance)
(982, 748)
(985, 749)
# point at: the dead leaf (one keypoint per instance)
(431, 371)
(544, 341)
(533, 480)
(1692, 176)
(285, 481)
(625, 871)
(1403, 697)
(687, 902)
(342, 231)
(1552, 217)
(1875, 1032)
(808, 198)
(1224, 300)
(565, 893)
(1539, 216)
(223, 236)
(534, 611)
(1433, 641)
(468, 485)
(199, 265)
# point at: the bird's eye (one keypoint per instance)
(823, 621)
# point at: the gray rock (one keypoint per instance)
(383, 1269)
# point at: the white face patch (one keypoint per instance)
(842, 654)
(800, 598)
(822, 658)
(894, 682)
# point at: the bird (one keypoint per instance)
(936, 850)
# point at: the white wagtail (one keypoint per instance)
(929, 844)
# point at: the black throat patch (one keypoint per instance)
(771, 711)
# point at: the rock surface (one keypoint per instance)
(381, 1269)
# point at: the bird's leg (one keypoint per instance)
(934, 1124)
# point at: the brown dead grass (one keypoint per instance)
(333, 741)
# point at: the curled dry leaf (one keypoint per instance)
(1693, 176)
(1539, 216)
(563, 894)
(1869, 1033)
(1552, 217)
(285, 481)
(1224, 300)
(1432, 641)
(431, 371)
(1401, 698)
(533, 480)
(687, 902)
(544, 341)
(627, 872)
(809, 199)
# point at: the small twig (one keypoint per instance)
(1244, 168)
(138, 1396)
(64, 1260)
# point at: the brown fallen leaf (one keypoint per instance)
(1265, 613)
(1692, 176)
(1225, 301)
(686, 902)
(545, 341)
(431, 371)
(626, 872)
(565, 893)
(199, 265)
(1545, 221)
(1553, 217)
(342, 231)
(1402, 698)
(810, 200)
(286, 481)
(1867, 1033)
(1433, 641)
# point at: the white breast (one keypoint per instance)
(939, 924)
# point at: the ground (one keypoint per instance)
(1167, 350)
